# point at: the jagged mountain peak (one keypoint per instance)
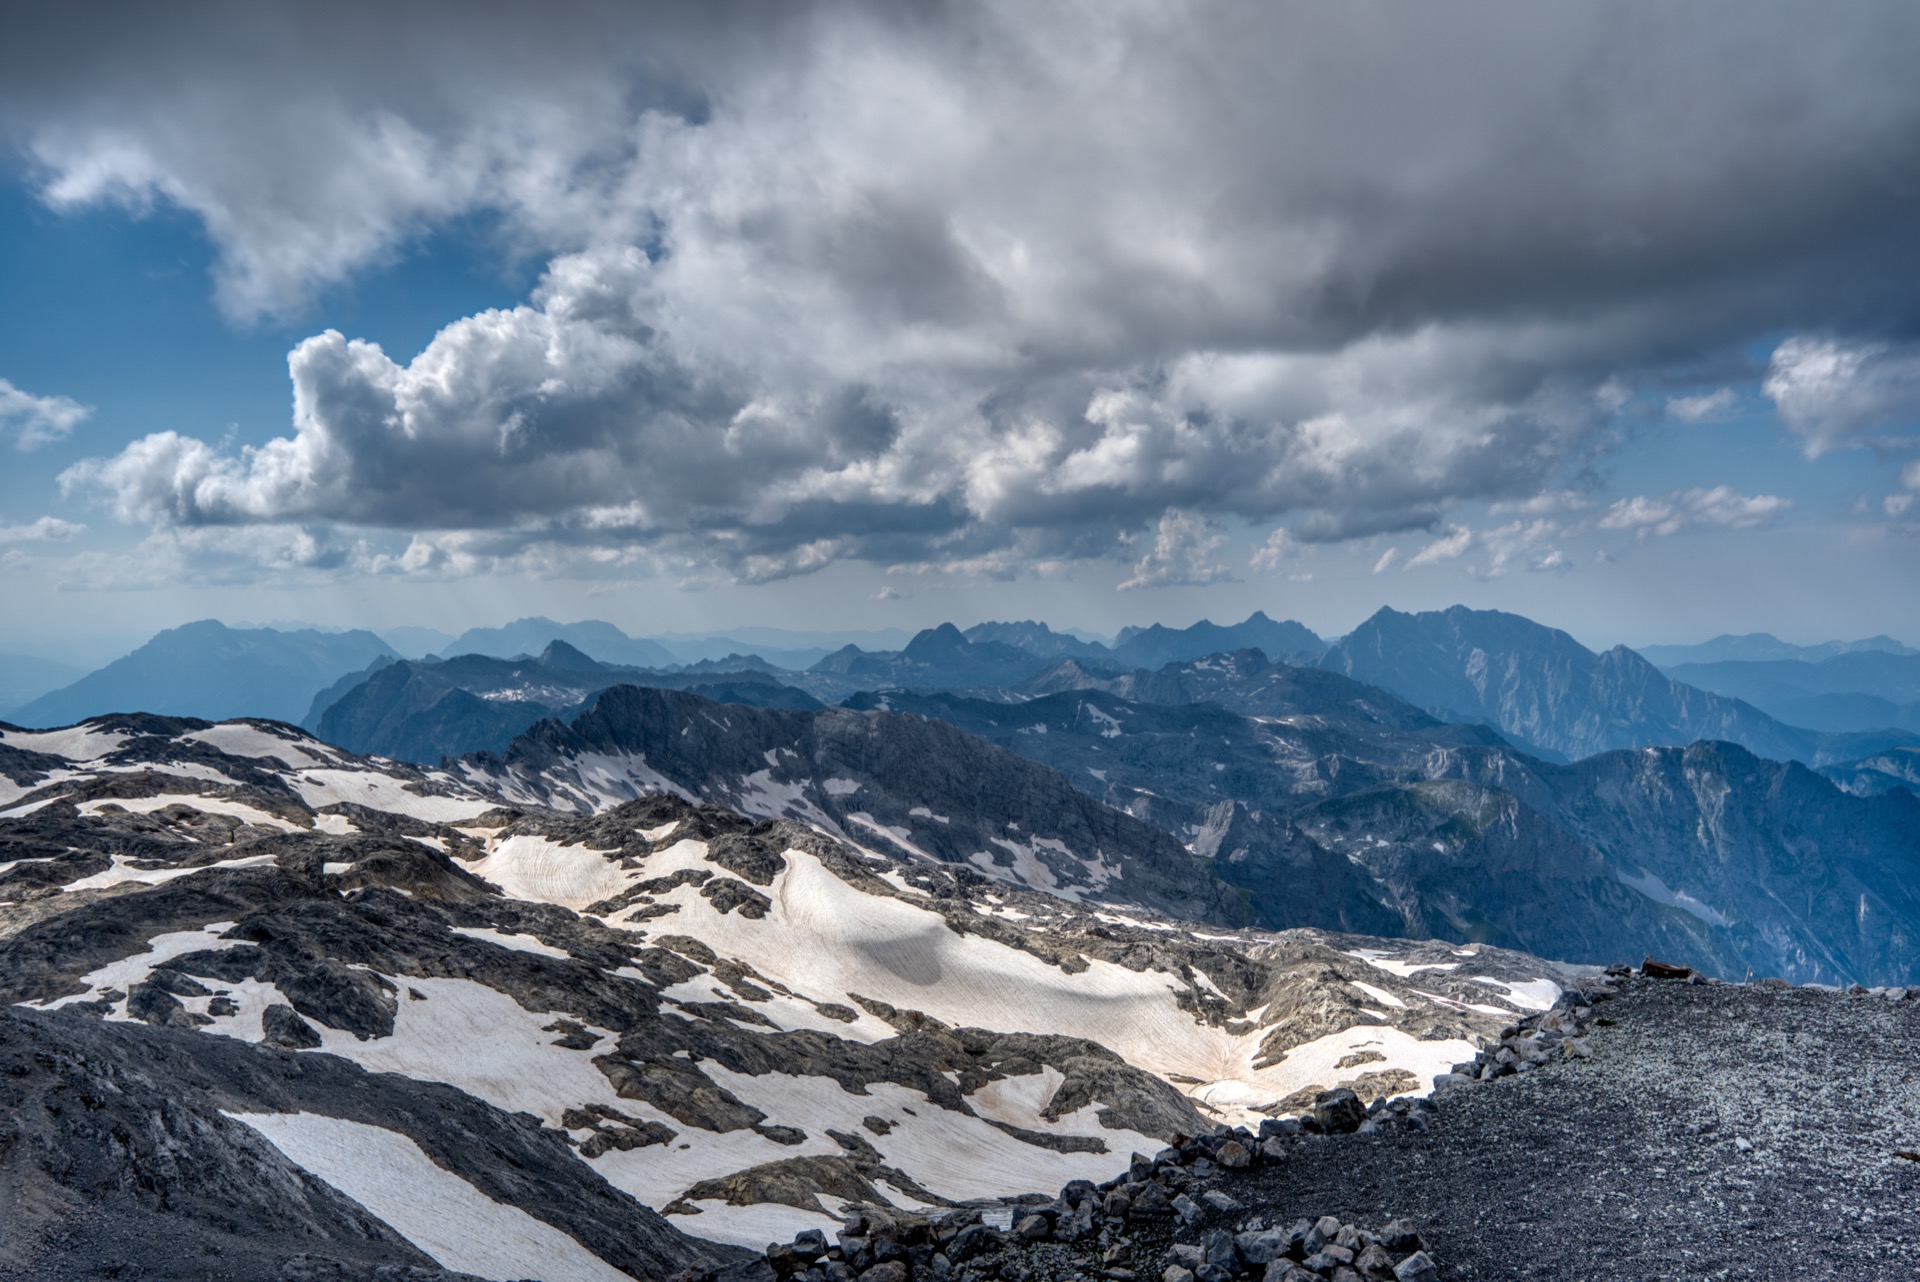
(1541, 686)
(935, 643)
(561, 656)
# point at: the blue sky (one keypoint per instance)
(839, 318)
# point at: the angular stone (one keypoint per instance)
(1400, 1237)
(886, 1271)
(1033, 1228)
(1339, 1111)
(1418, 1267)
(1151, 1203)
(1264, 1247)
(1221, 1202)
(280, 1026)
(970, 1242)
(1176, 1273)
(1234, 1156)
(1186, 1208)
(1374, 1261)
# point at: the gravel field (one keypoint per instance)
(1718, 1131)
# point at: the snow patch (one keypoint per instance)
(459, 1226)
(375, 791)
(534, 868)
(518, 943)
(75, 743)
(1532, 994)
(239, 739)
(123, 871)
(193, 801)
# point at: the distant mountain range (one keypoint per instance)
(1856, 690)
(1542, 688)
(208, 669)
(602, 641)
(1758, 647)
(424, 710)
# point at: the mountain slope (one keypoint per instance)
(1545, 689)
(897, 783)
(1335, 805)
(263, 977)
(207, 669)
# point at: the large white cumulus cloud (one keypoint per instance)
(930, 284)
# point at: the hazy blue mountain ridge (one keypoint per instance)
(1763, 646)
(601, 640)
(209, 670)
(1543, 688)
(422, 711)
(1857, 690)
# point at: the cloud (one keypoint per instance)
(1832, 392)
(48, 529)
(1710, 407)
(34, 421)
(1448, 546)
(978, 286)
(1720, 506)
(1279, 548)
(890, 593)
(1896, 505)
(1387, 561)
(1549, 504)
(1181, 555)
(1524, 543)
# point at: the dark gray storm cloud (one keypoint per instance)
(924, 282)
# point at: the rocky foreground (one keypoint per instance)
(1644, 1128)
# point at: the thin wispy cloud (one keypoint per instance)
(33, 421)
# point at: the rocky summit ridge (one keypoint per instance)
(266, 1000)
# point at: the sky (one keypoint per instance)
(829, 315)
